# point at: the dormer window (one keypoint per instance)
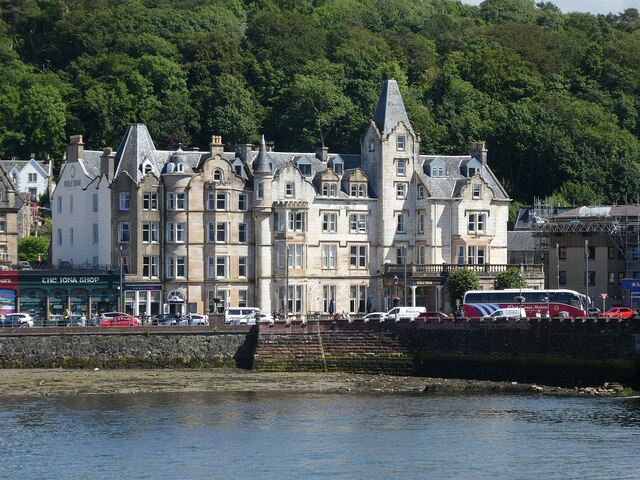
(358, 190)
(304, 165)
(338, 167)
(400, 142)
(471, 167)
(437, 172)
(238, 169)
(330, 189)
(180, 168)
(148, 169)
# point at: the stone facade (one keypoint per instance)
(301, 233)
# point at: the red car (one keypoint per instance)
(120, 321)
(618, 312)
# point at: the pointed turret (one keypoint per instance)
(136, 147)
(261, 163)
(390, 109)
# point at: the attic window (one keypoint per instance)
(338, 167)
(305, 166)
(217, 176)
(437, 171)
(477, 190)
(238, 169)
(358, 190)
(400, 142)
(471, 171)
(329, 189)
(148, 169)
(179, 167)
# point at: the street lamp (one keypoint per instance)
(216, 299)
(121, 283)
(396, 299)
(520, 299)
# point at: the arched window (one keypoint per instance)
(217, 175)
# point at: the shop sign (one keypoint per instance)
(143, 287)
(70, 279)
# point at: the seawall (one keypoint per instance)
(560, 352)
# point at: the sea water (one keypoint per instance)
(318, 436)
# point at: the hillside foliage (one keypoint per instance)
(556, 96)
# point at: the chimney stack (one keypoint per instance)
(479, 151)
(107, 163)
(75, 149)
(322, 154)
(216, 147)
(243, 152)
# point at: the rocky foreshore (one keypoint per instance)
(44, 382)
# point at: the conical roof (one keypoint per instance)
(390, 109)
(262, 164)
(135, 148)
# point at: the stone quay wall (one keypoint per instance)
(156, 347)
(561, 352)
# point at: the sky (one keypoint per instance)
(589, 6)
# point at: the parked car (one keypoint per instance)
(165, 319)
(405, 313)
(121, 321)
(432, 314)
(191, 319)
(108, 315)
(231, 314)
(253, 318)
(594, 312)
(197, 319)
(375, 316)
(24, 318)
(618, 312)
(12, 322)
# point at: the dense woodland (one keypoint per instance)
(556, 96)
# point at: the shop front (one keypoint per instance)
(143, 301)
(45, 293)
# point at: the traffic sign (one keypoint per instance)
(604, 295)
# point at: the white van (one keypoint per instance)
(405, 313)
(231, 314)
(509, 313)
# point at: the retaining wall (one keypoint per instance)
(85, 348)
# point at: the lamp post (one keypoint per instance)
(216, 299)
(121, 283)
(395, 291)
(405, 275)
(520, 299)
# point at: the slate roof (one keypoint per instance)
(450, 185)
(390, 109)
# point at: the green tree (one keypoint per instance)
(510, 278)
(460, 281)
(33, 249)
(316, 107)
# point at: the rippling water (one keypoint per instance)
(318, 436)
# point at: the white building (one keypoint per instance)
(295, 232)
